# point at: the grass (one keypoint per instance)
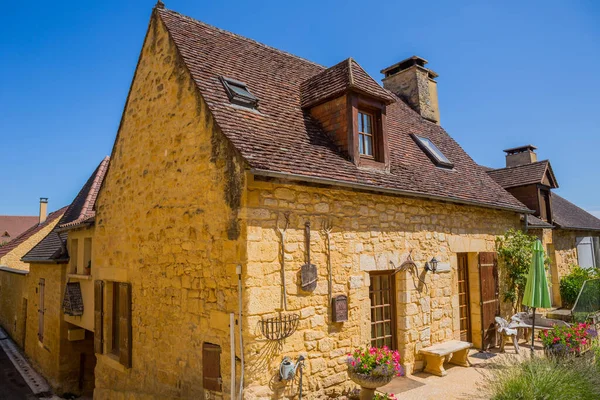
(541, 378)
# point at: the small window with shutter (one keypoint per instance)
(118, 331)
(211, 367)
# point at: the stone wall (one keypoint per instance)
(168, 223)
(13, 304)
(13, 258)
(370, 233)
(45, 354)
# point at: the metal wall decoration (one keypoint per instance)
(282, 233)
(339, 307)
(308, 272)
(279, 327)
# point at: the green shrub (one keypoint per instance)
(515, 250)
(541, 378)
(571, 284)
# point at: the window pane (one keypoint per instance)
(433, 150)
(368, 146)
(361, 147)
(360, 122)
(367, 123)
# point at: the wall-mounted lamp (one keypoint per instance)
(431, 265)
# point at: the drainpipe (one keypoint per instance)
(526, 223)
(238, 270)
(232, 349)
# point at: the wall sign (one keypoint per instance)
(339, 308)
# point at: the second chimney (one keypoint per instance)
(416, 85)
(43, 209)
(520, 155)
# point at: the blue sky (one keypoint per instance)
(511, 73)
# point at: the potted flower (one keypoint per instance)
(568, 340)
(373, 367)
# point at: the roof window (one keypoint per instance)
(238, 93)
(433, 152)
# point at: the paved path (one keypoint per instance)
(459, 384)
(12, 385)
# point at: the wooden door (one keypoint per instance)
(463, 298)
(490, 302)
(383, 322)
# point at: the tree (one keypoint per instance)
(514, 255)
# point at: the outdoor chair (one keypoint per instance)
(506, 333)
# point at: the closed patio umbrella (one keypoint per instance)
(536, 290)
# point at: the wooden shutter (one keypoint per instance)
(125, 323)
(490, 302)
(41, 310)
(98, 316)
(211, 367)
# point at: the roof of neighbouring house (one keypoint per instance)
(23, 237)
(567, 215)
(282, 137)
(53, 247)
(526, 174)
(12, 226)
(534, 222)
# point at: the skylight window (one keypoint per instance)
(238, 93)
(433, 152)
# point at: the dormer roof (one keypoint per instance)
(539, 172)
(342, 77)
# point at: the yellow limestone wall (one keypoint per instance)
(168, 222)
(86, 282)
(13, 258)
(13, 303)
(370, 232)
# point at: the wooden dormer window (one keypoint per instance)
(365, 134)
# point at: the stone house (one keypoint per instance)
(227, 146)
(570, 235)
(11, 252)
(51, 302)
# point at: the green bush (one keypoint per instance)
(571, 284)
(541, 378)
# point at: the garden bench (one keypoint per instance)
(435, 356)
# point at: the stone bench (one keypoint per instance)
(435, 356)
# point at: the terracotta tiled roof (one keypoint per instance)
(567, 215)
(12, 226)
(334, 81)
(82, 208)
(282, 138)
(53, 247)
(7, 248)
(522, 175)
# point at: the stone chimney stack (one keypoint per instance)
(416, 85)
(520, 155)
(43, 209)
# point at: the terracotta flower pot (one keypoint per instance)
(368, 383)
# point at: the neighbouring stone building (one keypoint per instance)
(570, 235)
(226, 150)
(11, 252)
(48, 307)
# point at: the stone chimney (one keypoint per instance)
(43, 209)
(520, 155)
(416, 85)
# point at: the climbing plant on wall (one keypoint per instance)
(514, 257)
